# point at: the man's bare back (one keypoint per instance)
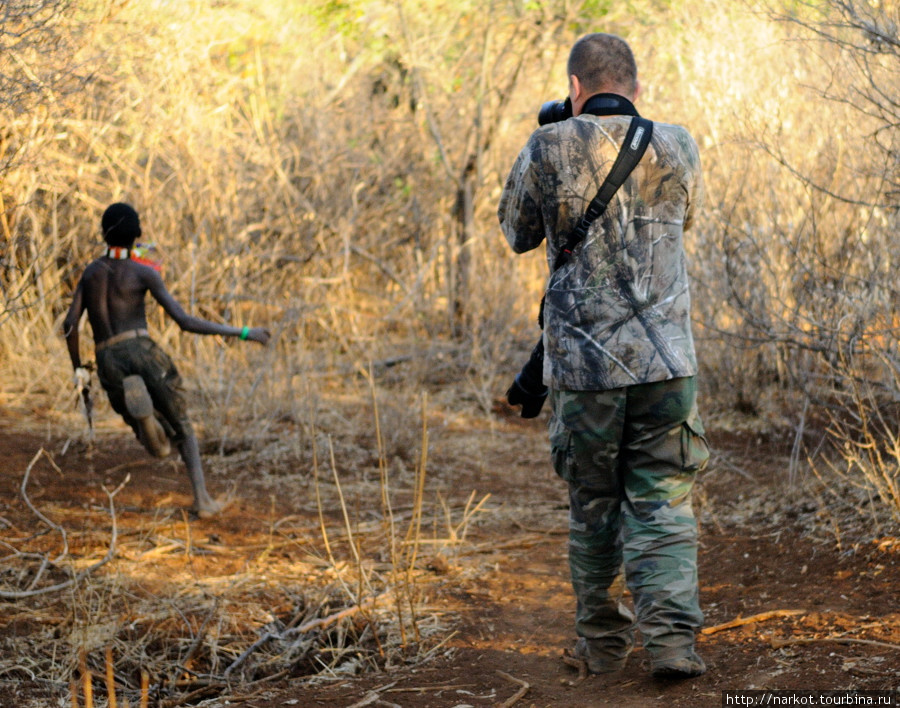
(113, 293)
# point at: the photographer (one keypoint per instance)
(618, 359)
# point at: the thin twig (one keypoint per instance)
(580, 665)
(23, 491)
(741, 621)
(780, 643)
(512, 700)
(433, 687)
(318, 623)
(373, 696)
(192, 696)
(201, 633)
(110, 554)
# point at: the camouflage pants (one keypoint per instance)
(630, 457)
(144, 357)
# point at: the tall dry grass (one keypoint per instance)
(331, 170)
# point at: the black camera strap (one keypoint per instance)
(640, 131)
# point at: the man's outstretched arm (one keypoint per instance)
(197, 325)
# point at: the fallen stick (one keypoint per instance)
(321, 622)
(191, 697)
(24, 493)
(433, 687)
(524, 542)
(317, 623)
(780, 643)
(73, 579)
(542, 532)
(741, 621)
(525, 686)
(575, 663)
(373, 697)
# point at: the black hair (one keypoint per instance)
(121, 225)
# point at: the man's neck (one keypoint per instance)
(118, 253)
(609, 104)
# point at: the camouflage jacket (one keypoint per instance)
(618, 312)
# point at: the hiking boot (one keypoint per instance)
(599, 661)
(687, 666)
(140, 406)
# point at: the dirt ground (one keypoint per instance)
(816, 616)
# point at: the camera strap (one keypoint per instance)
(640, 131)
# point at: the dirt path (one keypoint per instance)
(516, 612)
(506, 596)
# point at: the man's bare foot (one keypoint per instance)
(207, 509)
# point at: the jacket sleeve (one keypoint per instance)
(696, 190)
(519, 210)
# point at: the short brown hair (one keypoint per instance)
(603, 61)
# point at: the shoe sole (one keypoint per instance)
(597, 665)
(679, 669)
(675, 674)
(140, 406)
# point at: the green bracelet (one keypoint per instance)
(244, 332)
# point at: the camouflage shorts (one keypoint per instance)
(630, 457)
(144, 357)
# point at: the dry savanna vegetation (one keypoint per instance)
(330, 169)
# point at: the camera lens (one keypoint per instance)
(554, 111)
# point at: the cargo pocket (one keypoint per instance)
(561, 452)
(694, 447)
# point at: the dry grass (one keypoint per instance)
(166, 612)
(331, 171)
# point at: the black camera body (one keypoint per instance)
(527, 388)
(555, 111)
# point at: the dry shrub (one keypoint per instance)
(331, 170)
(178, 614)
(807, 235)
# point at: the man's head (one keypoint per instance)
(601, 63)
(121, 225)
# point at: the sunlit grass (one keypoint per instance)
(331, 170)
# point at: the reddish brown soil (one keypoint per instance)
(764, 549)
